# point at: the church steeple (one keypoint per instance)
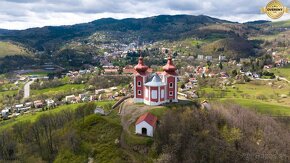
(169, 67)
(141, 67)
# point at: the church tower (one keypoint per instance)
(170, 78)
(140, 78)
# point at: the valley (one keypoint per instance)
(230, 91)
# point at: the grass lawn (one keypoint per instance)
(283, 72)
(249, 95)
(10, 93)
(251, 89)
(7, 48)
(263, 107)
(39, 73)
(32, 117)
(159, 112)
(64, 88)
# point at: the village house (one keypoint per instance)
(146, 124)
(83, 95)
(18, 106)
(208, 58)
(38, 104)
(222, 58)
(99, 91)
(93, 97)
(200, 57)
(111, 70)
(28, 104)
(50, 103)
(24, 109)
(70, 99)
(268, 66)
(5, 113)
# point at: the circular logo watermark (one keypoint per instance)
(275, 9)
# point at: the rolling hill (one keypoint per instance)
(8, 48)
(80, 42)
(149, 29)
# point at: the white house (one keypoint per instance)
(5, 113)
(50, 102)
(146, 124)
(70, 98)
(208, 58)
(222, 58)
(99, 91)
(200, 57)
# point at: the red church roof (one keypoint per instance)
(141, 67)
(169, 67)
(149, 118)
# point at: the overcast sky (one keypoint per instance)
(22, 14)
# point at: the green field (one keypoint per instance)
(37, 73)
(260, 97)
(65, 88)
(262, 107)
(10, 93)
(32, 117)
(7, 48)
(282, 72)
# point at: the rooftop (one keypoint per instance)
(149, 118)
(155, 81)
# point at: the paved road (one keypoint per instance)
(27, 89)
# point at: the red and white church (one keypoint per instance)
(156, 88)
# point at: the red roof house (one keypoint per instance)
(146, 124)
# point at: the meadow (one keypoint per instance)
(260, 96)
(61, 89)
(7, 48)
(33, 116)
(282, 72)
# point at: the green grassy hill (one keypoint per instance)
(7, 48)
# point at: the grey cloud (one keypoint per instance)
(39, 10)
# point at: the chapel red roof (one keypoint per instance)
(141, 67)
(149, 118)
(169, 67)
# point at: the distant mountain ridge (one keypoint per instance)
(152, 28)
